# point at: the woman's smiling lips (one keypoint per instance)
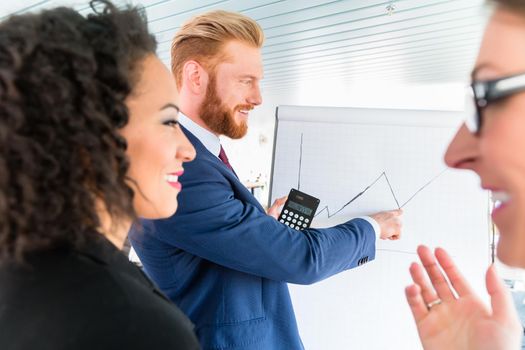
(173, 179)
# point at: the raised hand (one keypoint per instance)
(451, 316)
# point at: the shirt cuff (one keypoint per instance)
(375, 225)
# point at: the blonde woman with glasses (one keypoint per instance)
(448, 314)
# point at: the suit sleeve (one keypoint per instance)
(214, 224)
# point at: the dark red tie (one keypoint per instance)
(224, 158)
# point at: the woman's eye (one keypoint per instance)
(171, 122)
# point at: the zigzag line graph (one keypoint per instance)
(384, 175)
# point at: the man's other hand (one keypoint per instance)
(275, 209)
(390, 223)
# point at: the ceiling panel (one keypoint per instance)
(420, 41)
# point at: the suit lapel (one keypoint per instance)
(237, 186)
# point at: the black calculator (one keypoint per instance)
(299, 210)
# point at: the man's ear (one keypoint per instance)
(195, 77)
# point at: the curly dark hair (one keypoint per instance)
(64, 79)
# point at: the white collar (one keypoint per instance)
(206, 137)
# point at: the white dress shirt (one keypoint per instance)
(206, 137)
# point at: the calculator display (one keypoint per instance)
(300, 208)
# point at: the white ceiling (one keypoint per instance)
(350, 41)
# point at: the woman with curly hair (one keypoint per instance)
(89, 141)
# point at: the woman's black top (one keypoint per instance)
(92, 298)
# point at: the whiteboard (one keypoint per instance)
(335, 154)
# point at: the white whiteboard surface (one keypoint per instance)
(336, 153)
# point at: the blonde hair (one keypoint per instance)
(203, 37)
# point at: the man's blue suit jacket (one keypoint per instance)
(226, 263)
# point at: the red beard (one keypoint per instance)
(219, 118)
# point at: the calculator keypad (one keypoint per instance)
(294, 220)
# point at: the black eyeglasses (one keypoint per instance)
(486, 92)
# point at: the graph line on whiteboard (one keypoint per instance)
(325, 208)
(424, 186)
(383, 174)
(300, 164)
(397, 251)
(407, 252)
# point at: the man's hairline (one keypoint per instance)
(222, 55)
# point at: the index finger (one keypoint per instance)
(455, 277)
(434, 273)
